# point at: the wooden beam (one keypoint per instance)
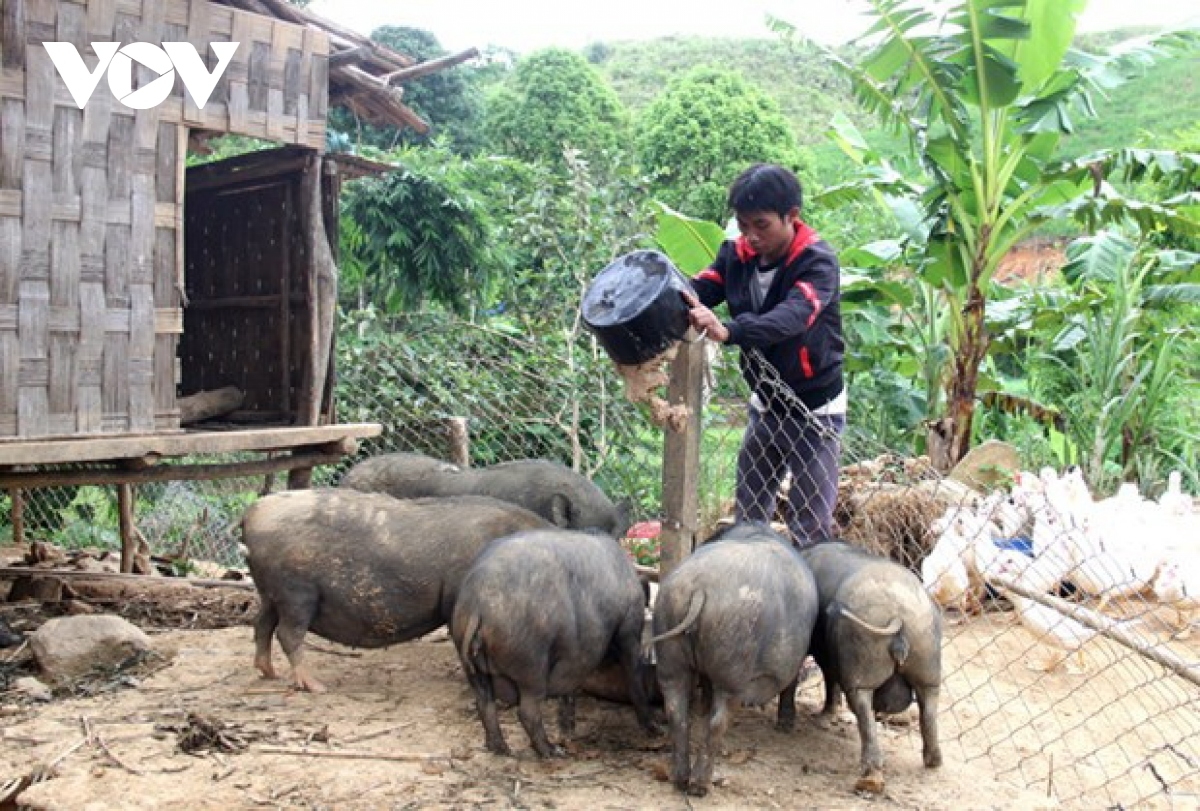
(141, 579)
(347, 57)
(185, 443)
(681, 457)
(125, 522)
(170, 473)
(16, 515)
(431, 66)
(206, 404)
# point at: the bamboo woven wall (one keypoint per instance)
(91, 203)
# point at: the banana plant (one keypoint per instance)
(984, 91)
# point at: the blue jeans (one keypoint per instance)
(807, 445)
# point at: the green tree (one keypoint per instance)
(422, 233)
(706, 128)
(1117, 335)
(554, 100)
(984, 90)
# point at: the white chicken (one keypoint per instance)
(1118, 549)
(1068, 496)
(1040, 575)
(1178, 586)
(944, 570)
(1174, 501)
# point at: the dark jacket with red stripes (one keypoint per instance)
(799, 329)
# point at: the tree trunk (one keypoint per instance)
(964, 379)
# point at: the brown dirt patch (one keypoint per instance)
(200, 729)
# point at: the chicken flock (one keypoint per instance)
(1048, 538)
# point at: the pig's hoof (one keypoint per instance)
(933, 759)
(308, 684)
(265, 667)
(870, 783)
(697, 788)
(499, 748)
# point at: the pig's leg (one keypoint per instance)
(716, 722)
(927, 703)
(871, 781)
(295, 617)
(264, 632)
(786, 721)
(677, 694)
(291, 639)
(631, 662)
(485, 702)
(832, 690)
(530, 713)
(566, 716)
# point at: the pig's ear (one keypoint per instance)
(560, 510)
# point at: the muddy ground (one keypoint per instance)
(198, 728)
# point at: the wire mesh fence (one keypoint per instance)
(1067, 660)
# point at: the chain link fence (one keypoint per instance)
(1083, 684)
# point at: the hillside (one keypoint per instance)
(1148, 111)
(799, 79)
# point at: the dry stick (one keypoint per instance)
(366, 736)
(1108, 628)
(24, 644)
(349, 654)
(116, 760)
(344, 755)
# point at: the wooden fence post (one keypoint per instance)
(681, 457)
(458, 441)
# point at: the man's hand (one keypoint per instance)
(704, 320)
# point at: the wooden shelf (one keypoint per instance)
(51, 451)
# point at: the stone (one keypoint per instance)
(33, 689)
(69, 647)
(987, 466)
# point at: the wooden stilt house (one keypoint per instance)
(129, 283)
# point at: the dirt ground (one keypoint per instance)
(198, 728)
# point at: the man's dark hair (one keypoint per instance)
(766, 187)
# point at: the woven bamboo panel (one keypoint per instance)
(91, 202)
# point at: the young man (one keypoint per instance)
(781, 282)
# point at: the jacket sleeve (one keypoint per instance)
(807, 298)
(709, 283)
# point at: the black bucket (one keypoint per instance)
(634, 306)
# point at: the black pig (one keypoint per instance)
(736, 616)
(362, 569)
(560, 495)
(879, 640)
(537, 613)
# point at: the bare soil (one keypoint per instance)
(198, 728)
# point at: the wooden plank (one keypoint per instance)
(141, 358)
(172, 473)
(92, 449)
(101, 17)
(125, 521)
(89, 406)
(68, 129)
(10, 361)
(12, 34)
(12, 139)
(10, 259)
(35, 235)
(681, 457)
